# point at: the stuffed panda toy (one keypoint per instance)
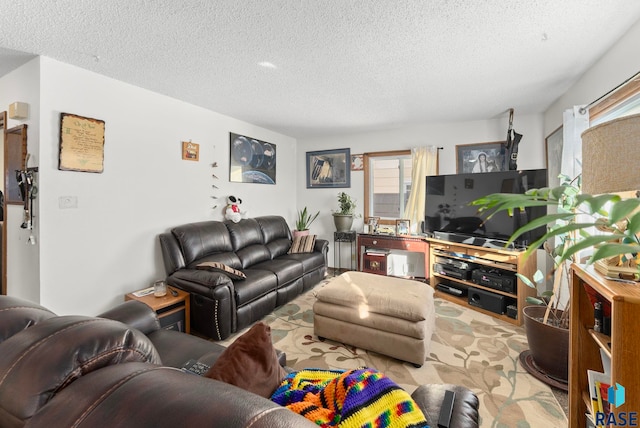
(233, 211)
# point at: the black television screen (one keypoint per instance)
(448, 214)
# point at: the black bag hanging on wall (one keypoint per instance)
(510, 159)
(511, 153)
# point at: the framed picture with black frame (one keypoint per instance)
(482, 157)
(553, 149)
(329, 168)
(251, 160)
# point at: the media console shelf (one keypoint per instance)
(505, 305)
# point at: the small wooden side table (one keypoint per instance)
(173, 311)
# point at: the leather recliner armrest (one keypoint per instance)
(134, 314)
(322, 246)
(142, 395)
(465, 406)
(17, 314)
(200, 281)
(43, 360)
(213, 306)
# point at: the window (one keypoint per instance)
(622, 101)
(387, 184)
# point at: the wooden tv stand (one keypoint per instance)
(500, 261)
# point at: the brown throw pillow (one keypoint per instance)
(303, 244)
(250, 363)
(221, 267)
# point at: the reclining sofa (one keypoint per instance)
(122, 370)
(221, 302)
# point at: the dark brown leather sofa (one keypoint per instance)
(259, 248)
(121, 370)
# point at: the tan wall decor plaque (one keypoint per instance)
(81, 143)
(190, 151)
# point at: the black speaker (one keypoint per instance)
(486, 300)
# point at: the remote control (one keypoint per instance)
(446, 410)
(195, 367)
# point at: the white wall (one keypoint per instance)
(91, 256)
(23, 270)
(447, 135)
(617, 65)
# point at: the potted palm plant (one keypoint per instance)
(303, 221)
(607, 224)
(343, 218)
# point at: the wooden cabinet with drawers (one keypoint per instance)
(373, 251)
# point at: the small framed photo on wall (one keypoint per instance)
(357, 162)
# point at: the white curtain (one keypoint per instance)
(574, 123)
(424, 162)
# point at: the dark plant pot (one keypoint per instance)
(343, 222)
(549, 345)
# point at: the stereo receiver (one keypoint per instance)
(494, 278)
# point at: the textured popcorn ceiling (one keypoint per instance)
(319, 67)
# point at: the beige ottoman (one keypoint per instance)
(391, 316)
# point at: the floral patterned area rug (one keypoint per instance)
(468, 348)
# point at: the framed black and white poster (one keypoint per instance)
(251, 160)
(482, 157)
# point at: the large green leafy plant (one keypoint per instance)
(607, 224)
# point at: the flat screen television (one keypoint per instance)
(449, 216)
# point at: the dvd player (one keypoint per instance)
(495, 278)
(451, 290)
(452, 271)
(451, 287)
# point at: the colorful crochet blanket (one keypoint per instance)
(354, 398)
